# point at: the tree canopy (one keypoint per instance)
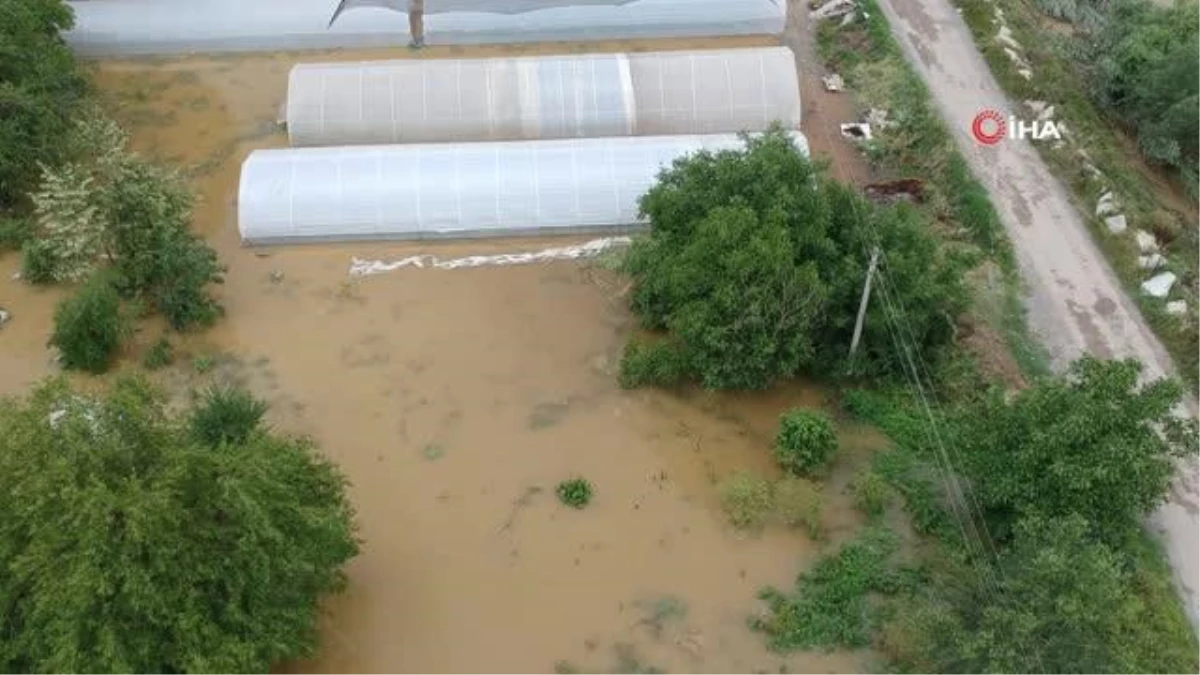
(754, 266)
(40, 87)
(1094, 443)
(131, 546)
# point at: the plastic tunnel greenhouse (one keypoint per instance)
(139, 27)
(456, 189)
(591, 95)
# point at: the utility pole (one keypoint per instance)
(866, 297)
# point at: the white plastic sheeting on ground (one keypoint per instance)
(592, 95)
(456, 190)
(360, 267)
(140, 27)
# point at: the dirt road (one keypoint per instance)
(1077, 305)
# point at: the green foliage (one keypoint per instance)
(1094, 443)
(798, 503)
(755, 263)
(41, 86)
(226, 416)
(871, 493)
(89, 326)
(130, 548)
(660, 363)
(747, 499)
(204, 363)
(160, 355)
(575, 492)
(15, 231)
(805, 443)
(38, 262)
(832, 606)
(1143, 64)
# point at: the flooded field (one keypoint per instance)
(455, 400)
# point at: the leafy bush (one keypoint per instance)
(832, 605)
(871, 493)
(755, 263)
(68, 221)
(1094, 443)
(41, 86)
(747, 499)
(651, 363)
(576, 492)
(38, 262)
(798, 502)
(15, 231)
(160, 354)
(214, 561)
(89, 326)
(806, 442)
(226, 416)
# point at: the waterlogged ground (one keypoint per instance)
(455, 400)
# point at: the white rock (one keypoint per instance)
(1025, 73)
(4, 317)
(1106, 205)
(1159, 285)
(16, 276)
(878, 118)
(1005, 36)
(1116, 224)
(1146, 242)
(1177, 307)
(833, 8)
(1014, 56)
(55, 417)
(833, 82)
(1046, 114)
(847, 19)
(1151, 262)
(1036, 106)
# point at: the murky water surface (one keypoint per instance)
(455, 400)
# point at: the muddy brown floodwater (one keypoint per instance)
(455, 401)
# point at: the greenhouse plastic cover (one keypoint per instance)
(542, 97)
(456, 189)
(141, 27)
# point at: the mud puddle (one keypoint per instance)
(455, 401)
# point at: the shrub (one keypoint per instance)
(798, 502)
(160, 354)
(575, 492)
(226, 416)
(38, 261)
(871, 493)
(806, 442)
(15, 231)
(215, 561)
(657, 364)
(747, 499)
(89, 326)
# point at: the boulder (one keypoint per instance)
(833, 82)
(1159, 285)
(1177, 307)
(1116, 224)
(1146, 242)
(1107, 204)
(1152, 261)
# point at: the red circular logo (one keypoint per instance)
(989, 127)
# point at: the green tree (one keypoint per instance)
(754, 266)
(1093, 443)
(805, 443)
(130, 547)
(89, 326)
(40, 88)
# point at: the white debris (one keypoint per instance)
(833, 82)
(1036, 107)
(1025, 73)
(16, 276)
(878, 118)
(1159, 285)
(1106, 205)
(4, 316)
(362, 268)
(1014, 56)
(1046, 114)
(55, 417)
(833, 8)
(847, 20)
(857, 131)
(1146, 242)
(1116, 224)
(1152, 261)
(1177, 307)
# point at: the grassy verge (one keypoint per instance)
(917, 144)
(1091, 132)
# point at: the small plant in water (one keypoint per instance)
(226, 416)
(204, 363)
(746, 498)
(160, 354)
(433, 452)
(576, 492)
